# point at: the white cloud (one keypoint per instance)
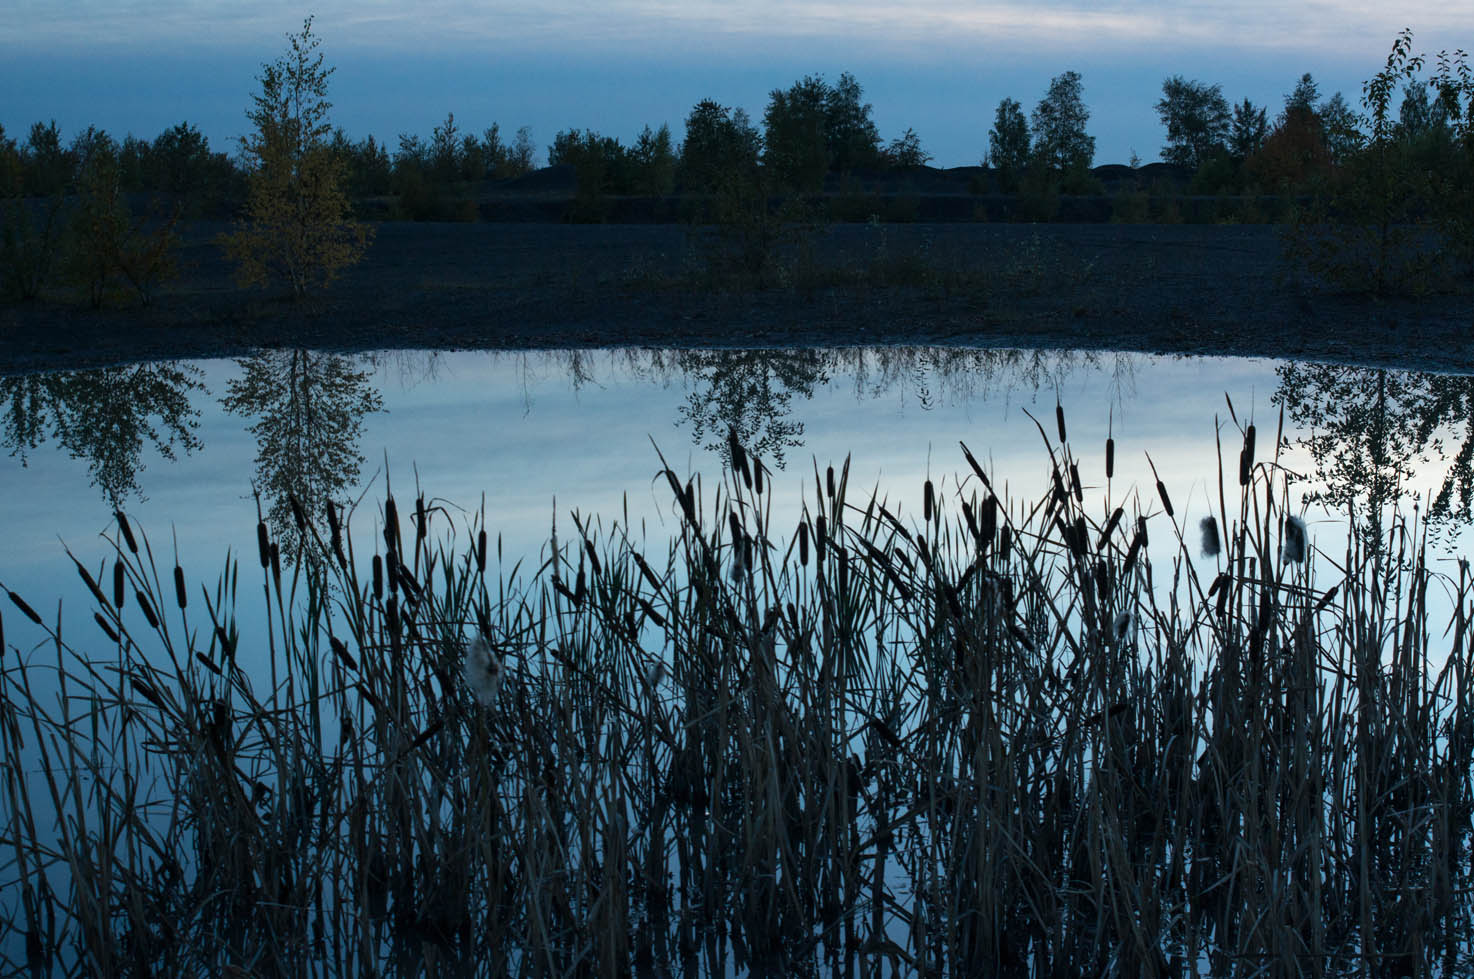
(1310, 26)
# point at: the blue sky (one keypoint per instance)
(614, 65)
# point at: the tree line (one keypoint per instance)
(293, 183)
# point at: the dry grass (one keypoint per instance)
(1000, 741)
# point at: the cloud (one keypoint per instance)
(1310, 26)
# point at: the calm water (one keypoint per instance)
(181, 446)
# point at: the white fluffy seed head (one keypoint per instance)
(1208, 526)
(1292, 544)
(1123, 627)
(483, 671)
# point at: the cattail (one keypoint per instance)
(1166, 500)
(1292, 544)
(127, 531)
(739, 456)
(179, 593)
(1208, 527)
(143, 604)
(420, 522)
(378, 571)
(103, 625)
(1123, 628)
(391, 569)
(118, 593)
(929, 506)
(1059, 420)
(757, 475)
(26, 610)
(391, 524)
(803, 543)
(276, 564)
(481, 552)
(820, 535)
(1110, 457)
(1079, 490)
(1246, 457)
(739, 559)
(263, 544)
(483, 671)
(829, 482)
(990, 518)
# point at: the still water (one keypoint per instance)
(182, 447)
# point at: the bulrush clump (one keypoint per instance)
(1208, 528)
(1292, 544)
(483, 671)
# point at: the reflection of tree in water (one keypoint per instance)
(104, 417)
(750, 391)
(1373, 429)
(309, 410)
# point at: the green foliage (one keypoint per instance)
(906, 151)
(1197, 119)
(721, 146)
(815, 128)
(297, 227)
(1009, 149)
(601, 167)
(1248, 131)
(28, 247)
(1366, 228)
(100, 220)
(1060, 141)
(654, 159)
(47, 166)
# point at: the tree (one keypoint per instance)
(906, 151)
(849, 134)
(1060, 142)
(794, 147)
(297, 225)
(654, 159)
(1197, 120)
(1249, 130)
(1305, 95)
(521, 156)
(814, 128)
(721, 145)
(1008, 143)
(1339, 123)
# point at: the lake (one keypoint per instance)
(752, 759)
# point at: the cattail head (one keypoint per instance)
(483, 670)
(1123, 628)
(1292, 543)
(1208, 526)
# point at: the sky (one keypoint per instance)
(939, 67)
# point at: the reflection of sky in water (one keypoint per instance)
(523, 428)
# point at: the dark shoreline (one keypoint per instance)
(1178, 289)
